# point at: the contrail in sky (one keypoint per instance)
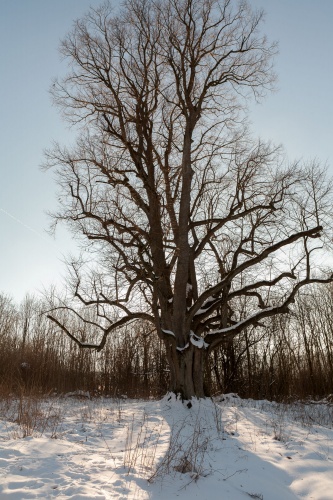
(29, 228)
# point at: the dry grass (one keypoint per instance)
(33, 416)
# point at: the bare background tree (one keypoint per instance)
(188, 224)
(290, 358)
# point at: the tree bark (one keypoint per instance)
(186, 371)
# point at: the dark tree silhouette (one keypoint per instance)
(187, 215)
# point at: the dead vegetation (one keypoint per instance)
(290, 359)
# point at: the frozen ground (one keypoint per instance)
(120, 449)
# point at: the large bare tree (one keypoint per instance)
(183, 215)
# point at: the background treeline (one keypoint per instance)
(292, 357)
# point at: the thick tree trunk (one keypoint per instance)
(187, 371)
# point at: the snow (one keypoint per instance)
(198, 341)
(204, 307)
(82, 394)
(123, 449)
(194, 339)
(168, 332)
(181, 349)
(237, 325)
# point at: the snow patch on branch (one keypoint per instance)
(208, 302)
(181, 349)
(198, 341)
(168, 332)
(194, 340)
(240, 323)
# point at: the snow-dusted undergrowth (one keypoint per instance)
(121, 449)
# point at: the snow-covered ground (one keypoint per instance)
(121, 449)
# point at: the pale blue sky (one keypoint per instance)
(299, 115)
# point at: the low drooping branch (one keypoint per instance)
(216, 337)
(106, 331)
